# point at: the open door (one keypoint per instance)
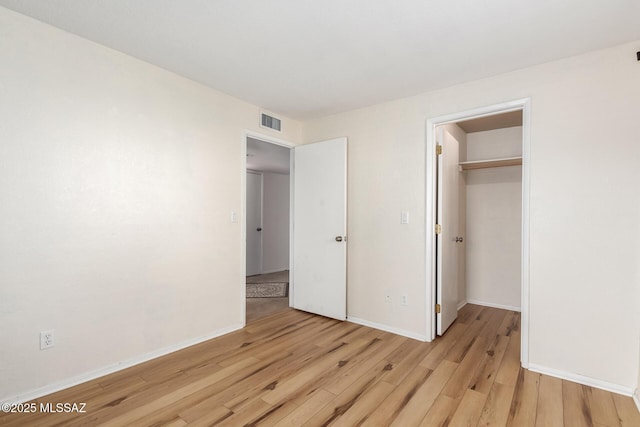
(447, 218)
(320, 227)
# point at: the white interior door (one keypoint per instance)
(319, 228)
(446, 245)
(254, 223)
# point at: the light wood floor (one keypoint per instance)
(294, 369)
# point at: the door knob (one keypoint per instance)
(259, 229)
(338, 238)
(459, 239)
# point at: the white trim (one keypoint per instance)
(524, 265)
(490, 304)
(430, 238)
(387, 328)
(265, 138)
(524, 106)
(581, 379)
(462, 304)
(115, 367)
(636, 398)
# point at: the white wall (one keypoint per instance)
(494, 220)
(583, 207)
(117, 180)
(275, 229)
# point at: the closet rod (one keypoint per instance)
(491, 163)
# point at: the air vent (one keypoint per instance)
(270, 122)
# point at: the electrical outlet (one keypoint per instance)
(46, 340)
(404, 299)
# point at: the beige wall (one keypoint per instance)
(494, 220)
(584, 207)
(117, 180)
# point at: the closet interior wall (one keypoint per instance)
(493, 237)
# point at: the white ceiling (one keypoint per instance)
(303, 58)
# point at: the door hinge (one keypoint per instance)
(438, 309)
(438, 149)
(438, 229)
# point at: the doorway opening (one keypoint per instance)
(267, 227)
(477, 207)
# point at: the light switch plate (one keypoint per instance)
(404, 217)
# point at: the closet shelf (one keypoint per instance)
(491, 163)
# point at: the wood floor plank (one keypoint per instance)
(603, 408)
(510, 324)
(441, 412)
(369, 401)
(510, 366)
(213, 416)
(442, 345)
(253, 413)
(344, 402)
(157, 404)
(401, 365)
(360, 363)
(469, 410)
(549, 411)
(627, 410)
(319, 399)
(306, 378)
(525, 400)
(466, 369)
(336, 334)
(496, 408)
(295, 368)
(246, 386)
(422, 400)
(393, 404)
(488, 368)
(177, 422)
(494, 322)
(575, 402)
(469, 313)
(458, 351)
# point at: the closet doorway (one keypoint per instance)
(477, 209)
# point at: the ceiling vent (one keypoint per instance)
(270, 122)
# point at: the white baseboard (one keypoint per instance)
(490, 304)
(581, 379)
(636, 397)
(119, 366)
(462, 304)
(387, 328)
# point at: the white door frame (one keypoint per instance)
(431, 194)
(243, 208)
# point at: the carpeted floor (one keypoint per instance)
(262, 307)
(277, 277)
